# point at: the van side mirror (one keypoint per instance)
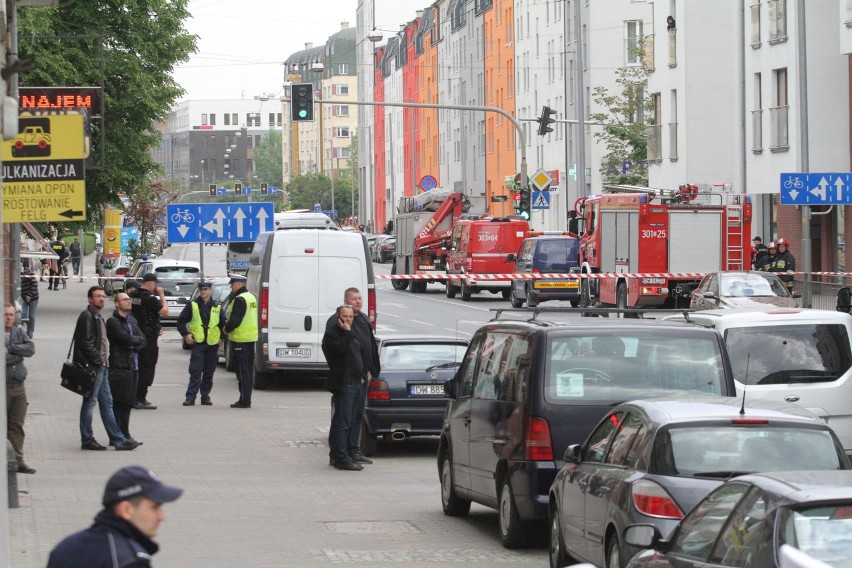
(844, 300)
(510, 257)
(450, 389)
(573, 453)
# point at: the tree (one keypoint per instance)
(307, 190)
(131, 48)
(147, 209)
(267, 159)
(625, 131)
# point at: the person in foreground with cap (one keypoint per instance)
(241, 329)
(758, 252)
(200, 326)
(149, 303)
(122, 534)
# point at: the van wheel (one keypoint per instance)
(465, 291)
(451, 290)
(369, 442)
(229, 357)
(513, 531)
(400, 284)
(531, 302)
(516, 302)
(262, 379)
(453, 505)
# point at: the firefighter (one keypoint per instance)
(786, 263)
(767, 260)
(758, 252)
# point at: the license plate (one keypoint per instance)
(419, 390)
(653, 281)
(551, 285)
(171, 302)
(301, 352)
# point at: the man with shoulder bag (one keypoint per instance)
(125, 342)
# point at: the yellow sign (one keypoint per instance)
(541, 180)
(112, 218)
(112, 241)
(43, 170)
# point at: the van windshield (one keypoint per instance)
(785, 354)
(612, 368)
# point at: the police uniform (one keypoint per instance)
(201, 320)
(146, 309)
(242, 331)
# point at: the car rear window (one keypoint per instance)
(408, 356)
(608, 368)
(557, 255)
(785, 354)
(719, 449)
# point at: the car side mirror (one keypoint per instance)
(450, 388)
(643, 536)
(510, 257)
(709, 295)
(797, 294)
(573, 453)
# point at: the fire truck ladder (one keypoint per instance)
(734, 237)
(652, 192)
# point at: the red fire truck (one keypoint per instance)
(666, 236)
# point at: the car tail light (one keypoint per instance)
(121, 271)
(536, 271)
(652, 500)
(842, 512)
(750, 421)
(371, 306)
(378, 390)
(539, 446)
(264, 308)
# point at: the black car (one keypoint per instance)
(526, 390)
(750, 520)
(407, 398)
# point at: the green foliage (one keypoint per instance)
(131, 48)
(304, 191)
(146, 209)
(267, 160)
(625, 131)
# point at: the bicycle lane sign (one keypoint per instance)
(816, 188)
(218, 222)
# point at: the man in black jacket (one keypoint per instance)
(123, 532)
(149, 303)
(29, 297)
(91, 349)
(125, 342)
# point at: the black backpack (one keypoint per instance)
(75, 248)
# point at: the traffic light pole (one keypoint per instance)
(525, 181)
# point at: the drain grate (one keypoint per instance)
(372, 527)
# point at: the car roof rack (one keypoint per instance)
(594, 312)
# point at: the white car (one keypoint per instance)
(799, 356)
(178, 278)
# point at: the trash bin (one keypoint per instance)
(12, 475)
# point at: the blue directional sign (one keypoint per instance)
(816, 188)
(540, 200)
(218, 222)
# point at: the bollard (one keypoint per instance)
(12, 474)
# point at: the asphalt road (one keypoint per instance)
(259, 491)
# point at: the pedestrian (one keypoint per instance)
(241, 329)
(670, 23)
(18, 346)
(200, 325)
(91, 349)
(758, 252)
(123, 532)
(149, 303)
(125, 342)
(76, 253)
(785, 263)
(29, 299)
(56, 266)
(131, 286)
(769, 259)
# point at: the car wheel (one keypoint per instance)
(558, 557)
(613, 553)
(451, 290)
(454, 506)
(369, 442)
(262, 379)
(516, 302)
(513, 531)
(531, 301)
(229, 357)
(465, 291)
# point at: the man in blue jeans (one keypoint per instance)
(91, 348)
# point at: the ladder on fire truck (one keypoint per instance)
(734, 243)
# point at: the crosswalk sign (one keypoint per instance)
(540, 200)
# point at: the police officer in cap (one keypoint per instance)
(149, 303)
(241, 329)
(200, 325)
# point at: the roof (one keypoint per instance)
(806, 486)
(699, 409)
(419, 339)
(770, 316)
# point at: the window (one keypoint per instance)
(342, 69)
(212, 119)
(468, 368)
(252, 119)
(271, 118)
(755, 24)
(234, 119)
(596, 444)
(779, 114)
(482, 5)
(698, 532)
(341, 110)
(743, 538)
(673, 128)
(757, 115)
(204, 119)
(632, 42)
(777, 20)
(228, 119)
(341, 132)
(624, 447)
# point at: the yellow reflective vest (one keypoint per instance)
(196, 326)
(247, 331)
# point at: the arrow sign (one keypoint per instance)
(71, 213)
(815, 188)
(261, 219)
(215, 225)
(218, 222)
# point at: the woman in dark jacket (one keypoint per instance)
(125, 341)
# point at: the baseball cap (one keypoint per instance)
(205, 284)
(149, 277)
(136, 481)
(237, 278)
(131, 284)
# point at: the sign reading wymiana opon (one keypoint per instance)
(43, 172)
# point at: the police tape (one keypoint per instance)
(580, 276)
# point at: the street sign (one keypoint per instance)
(43, 172)
(816, 188)
(428, 182)
(540, 179)
(541, 200)
(218, 222)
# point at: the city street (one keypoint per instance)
(258, 488)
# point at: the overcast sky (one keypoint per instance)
(242, 43)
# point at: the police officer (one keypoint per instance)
(149, 303)
(201, 327)
(241, 330)
(758, 252)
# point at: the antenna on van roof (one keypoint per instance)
(745, 384)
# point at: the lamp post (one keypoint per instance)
(331, 168)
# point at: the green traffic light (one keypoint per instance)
(303, 113)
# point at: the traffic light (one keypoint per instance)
(264, 188)
(238, 188)
(545, 120)
(302, 102)
(525, 204)
(213, 189)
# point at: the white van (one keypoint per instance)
(299, 277)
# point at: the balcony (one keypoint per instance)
(654, 134)
(757, 131)
(673, 141)
(778, 131)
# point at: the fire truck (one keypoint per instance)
(423, 226)
(665, 236)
